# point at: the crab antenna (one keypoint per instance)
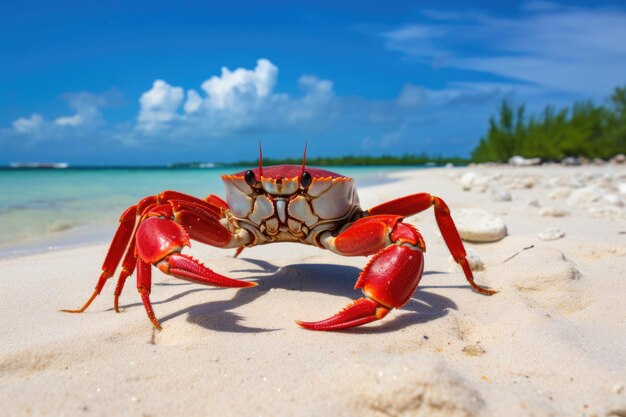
(304, 158)
(260, 160)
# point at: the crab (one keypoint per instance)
(283, 203)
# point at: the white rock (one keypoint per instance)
(576, 182)
(527, 182)
(584, 196)
(570, 161)
(520, 161)
(559, 193)
(534, 203)
(553, 212)
(622, 187)
(480, 185)
(474, 182)
(604, 211)
(612, 200)
(553, 182)
(551, 233)
(500, 195)
(618, 159)
(476, 225)
(468, 179)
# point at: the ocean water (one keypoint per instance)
(45, 209)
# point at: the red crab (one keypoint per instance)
(284, 203)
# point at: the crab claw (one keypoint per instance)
(361, 311)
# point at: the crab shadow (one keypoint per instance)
(331, 279)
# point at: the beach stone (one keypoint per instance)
(618, 159)
(551, 233)
(467, 179)
(527, 182)
(553, 212)
(556, 181)
(559, 193)
(480, 185)
(534, 203)
(622, 187)
(584, 196)
(520, 161)
(612, 200)
(577, 182)
(500, 195)
(570, 161)
(477, 225)
(604, 212)
(471, 181)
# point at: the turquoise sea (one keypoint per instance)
(52, 208)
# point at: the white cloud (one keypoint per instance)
(69, 120)
(412, 95)
(87, 108)
(87, 117)
(194, 102)
(29, 126)
(575, 50)
(241, 100)
(229, 89)
(159, 105)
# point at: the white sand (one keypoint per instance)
(551, 343)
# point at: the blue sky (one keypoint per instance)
(147, 83)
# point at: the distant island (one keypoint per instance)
(352, 160)
(349, 160)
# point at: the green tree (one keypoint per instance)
(582, 130)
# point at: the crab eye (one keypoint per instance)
(250, 178)
(306, 179)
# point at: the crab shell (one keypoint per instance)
(279, 208)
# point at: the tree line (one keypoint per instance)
(352, 160)
(585, 129)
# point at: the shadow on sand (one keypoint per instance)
(322, 278)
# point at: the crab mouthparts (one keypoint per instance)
(281, 210)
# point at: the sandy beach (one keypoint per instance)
(550, 343)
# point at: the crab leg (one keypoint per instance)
(128, 267)
(216, 201)
(167, 221)
(388, 280)
(114, 255)
(392, 275)
(415, 203)
(159, 242)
